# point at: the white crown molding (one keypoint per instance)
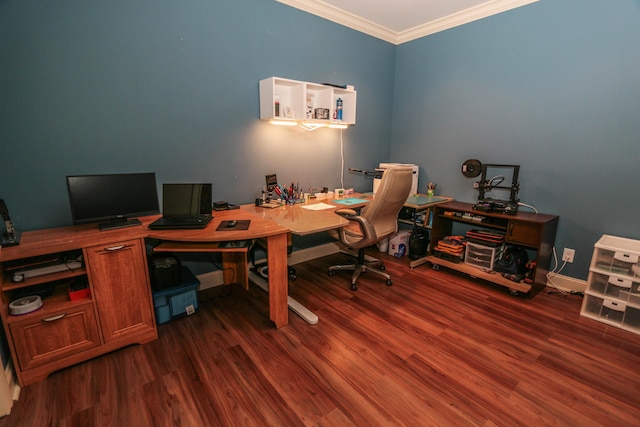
(332, 13)
(466, 16)
(343, 17)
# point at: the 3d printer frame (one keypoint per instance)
(485, 185)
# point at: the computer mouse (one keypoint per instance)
(232, 223)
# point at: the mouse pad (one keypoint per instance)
(242, 224)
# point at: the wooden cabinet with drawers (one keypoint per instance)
(114, 311)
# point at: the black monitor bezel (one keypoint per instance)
(116, 217)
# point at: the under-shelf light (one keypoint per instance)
(311, 125)
(283, 122)
(338, 125)
(308, 125)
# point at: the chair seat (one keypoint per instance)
(377, 221)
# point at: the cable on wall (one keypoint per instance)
(341, 160)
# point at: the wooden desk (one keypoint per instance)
(302, 221)
(119, 309)
(205, 240)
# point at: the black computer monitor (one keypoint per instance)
(112, 200)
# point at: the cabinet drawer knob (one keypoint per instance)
(54, 318)
(114, 248)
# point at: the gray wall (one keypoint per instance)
(172, 87)
(553, 87)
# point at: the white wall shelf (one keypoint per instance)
(296, 103)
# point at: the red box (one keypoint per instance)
(79, 294)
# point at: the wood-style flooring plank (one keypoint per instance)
(434, 349)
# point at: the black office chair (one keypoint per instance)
(377, 221)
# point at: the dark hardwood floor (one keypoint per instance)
(433, 349)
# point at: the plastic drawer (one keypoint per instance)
(615, 286)
(634, 293)
(603, 308)
(616, 255)
(592, 305)
(632, 318)
(480, 256)
(613, 310)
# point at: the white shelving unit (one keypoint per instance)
(613, 287)
(298, 102)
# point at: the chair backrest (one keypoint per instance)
(393, 191)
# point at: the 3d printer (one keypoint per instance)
(491, 181)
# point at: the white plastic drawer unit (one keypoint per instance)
(613, 287)
(480, 256)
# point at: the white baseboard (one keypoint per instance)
(304, 255)
(566, 283)
(210, 279)
(215, 278)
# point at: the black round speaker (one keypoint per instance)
(418, 243)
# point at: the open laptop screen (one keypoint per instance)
(186, 199)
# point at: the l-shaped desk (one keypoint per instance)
(119, 309)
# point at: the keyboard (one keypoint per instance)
(186, 219)
(181, 221)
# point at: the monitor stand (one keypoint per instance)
(119, 223)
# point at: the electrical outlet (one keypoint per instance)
(568, 254)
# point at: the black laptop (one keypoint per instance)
(184, 206)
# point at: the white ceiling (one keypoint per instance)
(400, 21)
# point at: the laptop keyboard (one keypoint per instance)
(186, 219)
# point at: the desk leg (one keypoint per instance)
(278, 279)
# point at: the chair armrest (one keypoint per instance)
(367, 235)
(346, 212)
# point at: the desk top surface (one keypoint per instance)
(298, 219)
(302, 218)
(39, 242)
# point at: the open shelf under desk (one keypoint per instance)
(9, 285)
(489, 276)
(235, 266)
(170, 246)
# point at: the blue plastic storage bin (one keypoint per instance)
(178, 301)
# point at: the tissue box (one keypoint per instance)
(399, 243)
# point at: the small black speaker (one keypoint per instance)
(418, 243)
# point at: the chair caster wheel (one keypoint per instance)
(354, 287)
(436, 267)
(293, 277)
(389, 282)
(331, 272)
(382, 267)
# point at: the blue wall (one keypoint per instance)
(553, 87)
(172, 87)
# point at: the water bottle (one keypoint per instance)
(339, 109)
